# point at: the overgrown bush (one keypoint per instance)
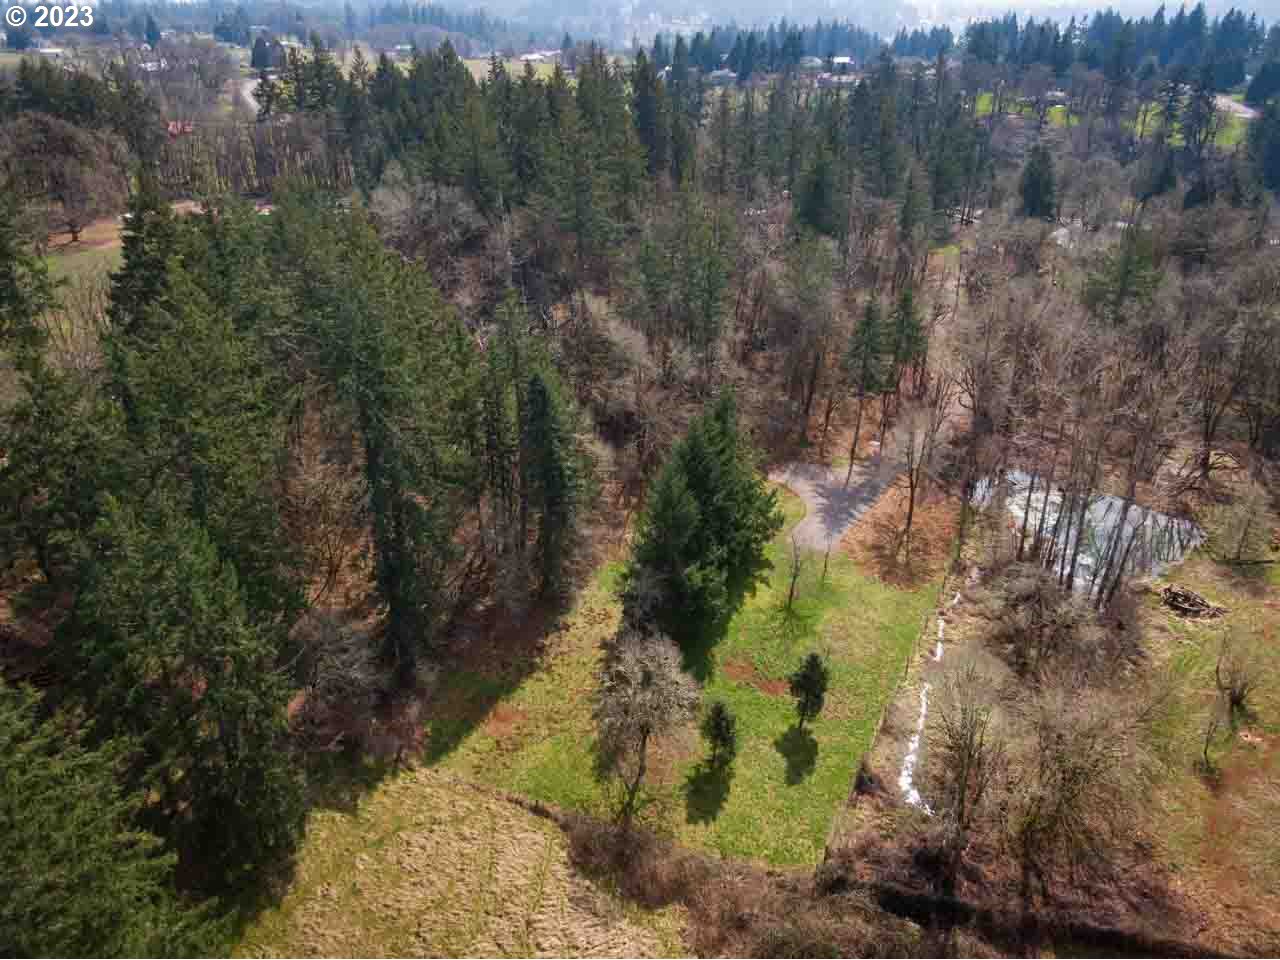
(1039, 627)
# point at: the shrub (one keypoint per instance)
(720, 729)
(809, 687)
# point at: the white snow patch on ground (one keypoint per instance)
(908, 789)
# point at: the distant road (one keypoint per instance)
(1239, 109)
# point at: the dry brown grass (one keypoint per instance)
(427, 866)
(873, 541)
(736, 909)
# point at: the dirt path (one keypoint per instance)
(246, 94)
(831, 508)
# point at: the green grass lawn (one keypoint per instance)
(533, 734)
(78, 263)
(1231, 132)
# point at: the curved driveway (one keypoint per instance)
(830, 508)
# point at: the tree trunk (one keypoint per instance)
(911, 512)
(853, 447)
(1044, 505)
(1026, 516)
(826, 423)
(633, 788)
(811, 389)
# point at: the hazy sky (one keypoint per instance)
(884, 16)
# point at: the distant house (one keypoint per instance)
(53, 53)
(839, 62)
(721, 78)
(810, 63)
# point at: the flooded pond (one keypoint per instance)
(1147, 544)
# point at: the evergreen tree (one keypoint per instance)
(865, 369)
(1039, 199)
(652, 112)
(79, 878)
(906, 338)
(26, 290)
(402, 366)
(704, 529)
(160, 612)
(260, 58)
(1125, 279)
(748, 158)
(553, 477)
(820, 203)
(702, 246)
(722, 163)
(1264, 85)
(207, 415)
(1264, 145)
(140, 284)
(720, 729)
(57, 439)
(809, 687)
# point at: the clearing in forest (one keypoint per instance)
(496, 722)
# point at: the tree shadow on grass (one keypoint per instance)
(698, 638)
(789, 627)
(800, 749)
(493, 661)
(706, 789)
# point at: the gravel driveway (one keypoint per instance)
(830, 508)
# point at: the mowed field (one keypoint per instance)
(1231, 132)
(428, 866)
(497, 723)
(479, 67)
(9, 59)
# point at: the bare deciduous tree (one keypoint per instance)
(971, 751)
(1235, 676)
(642, 693)
(1073, 784)
(917, 437)
(797, 568)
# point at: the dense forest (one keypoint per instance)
(381, 359)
